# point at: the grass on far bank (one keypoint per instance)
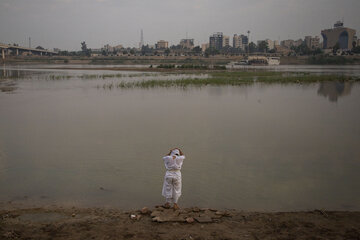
(234, 79)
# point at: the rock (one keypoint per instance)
(133, 216)
(138, 217)
(73, 215)
(196, 209)
(216, 216)
(190, 220)
(155, 213)
(228, 214)
(145, 211)
(182, 211)
(160, 208)
(167, 216)
(219, 213)
(203, 219)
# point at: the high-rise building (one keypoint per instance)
(308, 41)
(298, 42)
(240, 41)
(141, 43)
(204, 46)
(312, 42)
(162, 44)
(339, 34)
(187, 43)
(226, 41)
(216, 40)
(291, 43)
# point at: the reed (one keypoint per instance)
(237, 78)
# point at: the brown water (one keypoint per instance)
(258, 147)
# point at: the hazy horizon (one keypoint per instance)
(65, 23)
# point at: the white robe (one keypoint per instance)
(172, 180)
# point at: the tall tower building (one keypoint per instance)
(339, 34)
(216, 40)
(240, 41)
(141, 39)
(226, 41)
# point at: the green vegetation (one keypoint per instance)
(303, 49)
(356, 50)
(192, 66)
(234, 79)
(59, 77)
(167, 66)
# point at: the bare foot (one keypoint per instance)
(166, 205)
(176, 207)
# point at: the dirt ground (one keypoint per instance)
(159, 223)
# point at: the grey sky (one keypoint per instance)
(65, 23)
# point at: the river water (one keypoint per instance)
(269, 147)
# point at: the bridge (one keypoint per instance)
(16, 50)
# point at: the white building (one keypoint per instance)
(226, 41)
(240, 41)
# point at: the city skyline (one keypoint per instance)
(65, 23)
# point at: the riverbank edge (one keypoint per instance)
(200, 223)
(157, 60)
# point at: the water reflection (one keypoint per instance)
(6, 82)
(334, 90)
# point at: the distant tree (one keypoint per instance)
(125, 52)
(63, 53)
(252, 47)
(83, 47)
(211, 51)
(167, 52)
(356, 50)
(175, 46)
(85, 51)
(317, 51)
(132, 52)
(302, 49)
(40, 47)
(263, 46)
(353, 44)
(197, 50)
(336, 48)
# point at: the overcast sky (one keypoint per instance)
(65, 23)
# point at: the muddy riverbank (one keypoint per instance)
(190, 223)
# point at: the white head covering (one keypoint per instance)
(175, 152)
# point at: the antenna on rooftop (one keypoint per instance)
(29, 42)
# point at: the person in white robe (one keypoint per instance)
(172, 181)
